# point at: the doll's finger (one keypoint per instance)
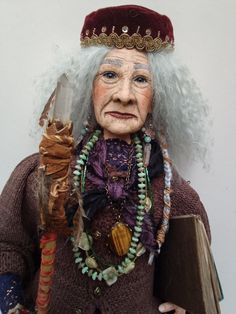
(167, 307)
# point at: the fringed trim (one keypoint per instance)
(55, 155)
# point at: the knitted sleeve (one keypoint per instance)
(18, 220)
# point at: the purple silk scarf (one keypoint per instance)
(112, 177)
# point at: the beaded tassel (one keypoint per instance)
(160, 238)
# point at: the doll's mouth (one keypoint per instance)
(121, 115)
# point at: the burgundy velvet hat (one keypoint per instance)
(128, 26)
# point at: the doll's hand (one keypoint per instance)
(167, 307)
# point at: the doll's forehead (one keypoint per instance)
(118, 62)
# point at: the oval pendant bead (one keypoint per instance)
(120, 238)
(90, 262)
(148, 204)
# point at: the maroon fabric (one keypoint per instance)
(131, 16)
(73, 292)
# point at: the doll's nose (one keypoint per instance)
(124, 93)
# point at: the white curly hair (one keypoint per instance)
(179, 110)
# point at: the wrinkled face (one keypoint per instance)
(122, 93)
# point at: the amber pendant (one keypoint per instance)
(120, 238)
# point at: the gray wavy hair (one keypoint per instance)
(179, 110)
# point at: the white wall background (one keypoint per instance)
(32, 31)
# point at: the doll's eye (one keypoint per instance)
(109, 75)
(141, 79)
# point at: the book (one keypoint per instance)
(185, 271)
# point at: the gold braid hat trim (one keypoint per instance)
(147, 42)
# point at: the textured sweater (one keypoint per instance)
(73, 292)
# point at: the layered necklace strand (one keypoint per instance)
(89, 265)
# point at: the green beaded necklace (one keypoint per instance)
(89, 265)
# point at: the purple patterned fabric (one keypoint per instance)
(107, 177)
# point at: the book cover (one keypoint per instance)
(185, 272)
